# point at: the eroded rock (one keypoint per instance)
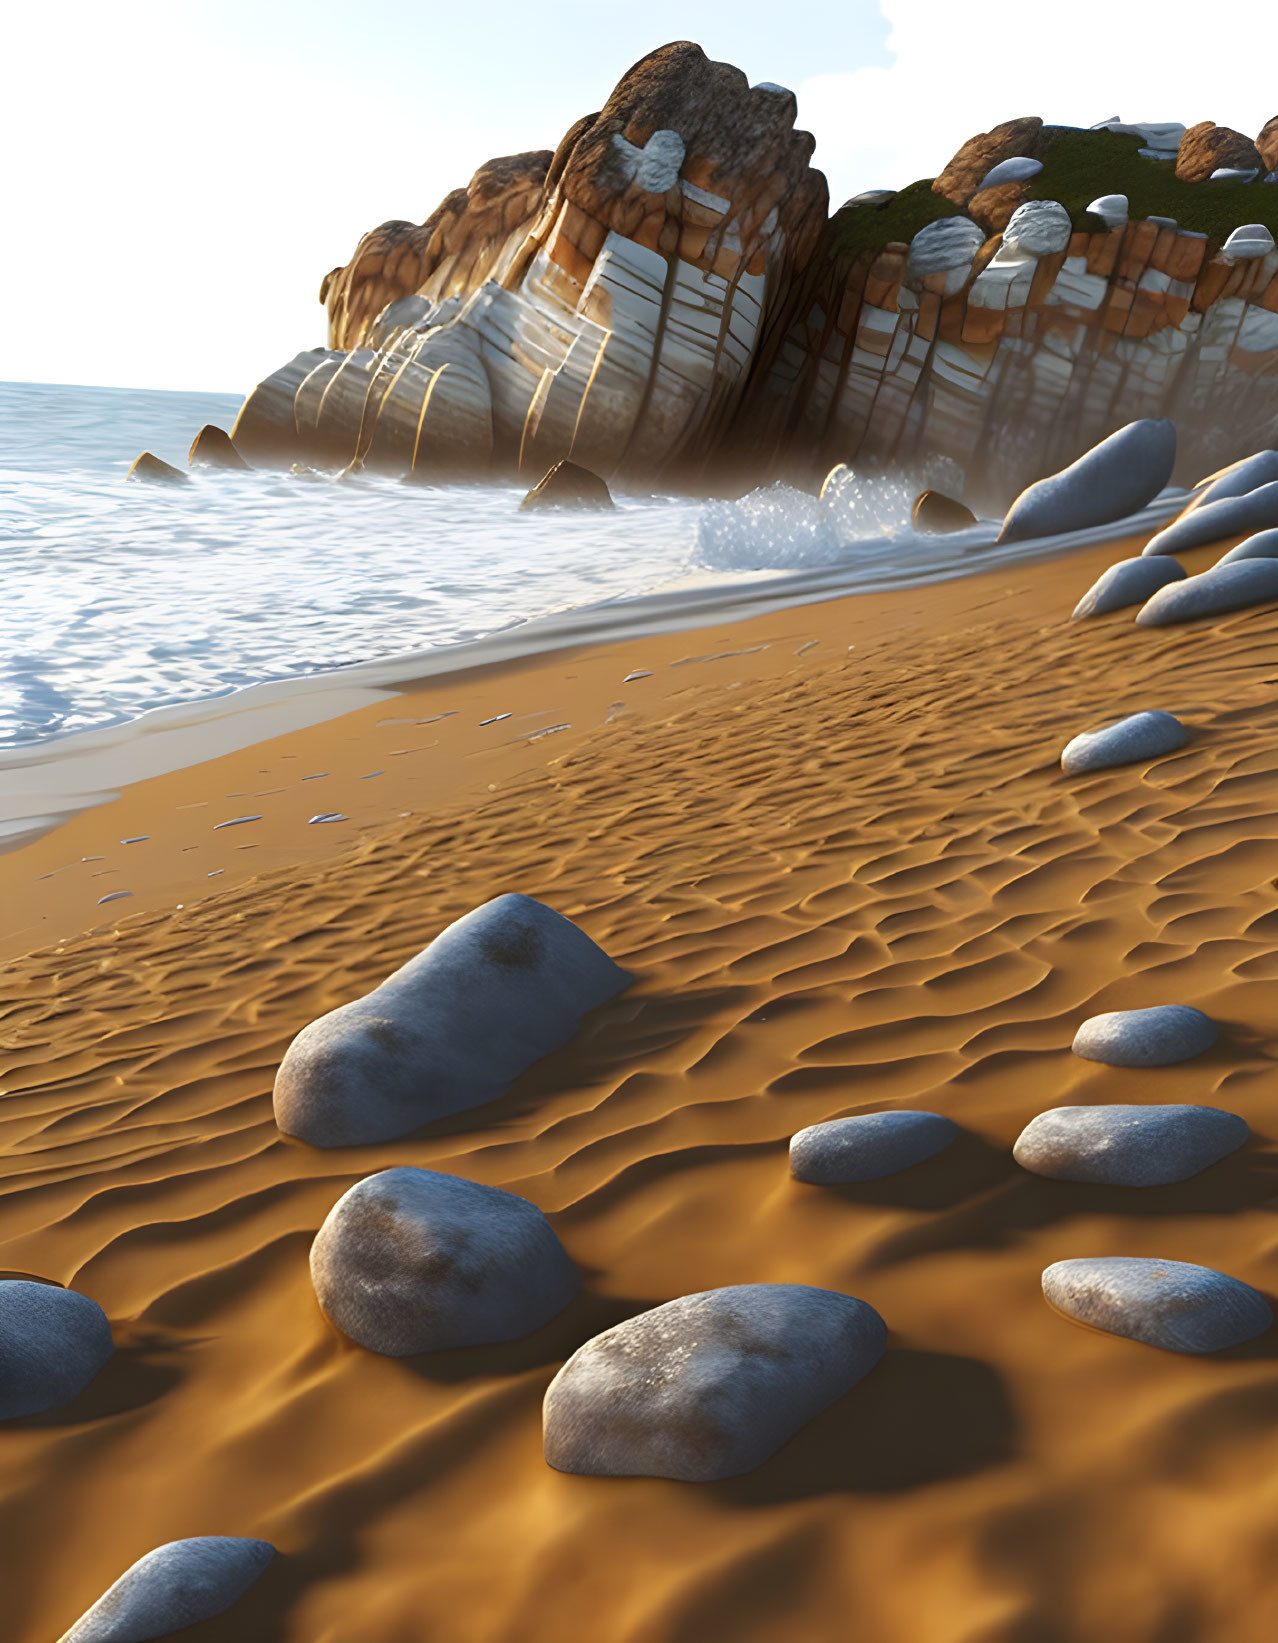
(1039, 228)
(1118, 477)
(1128, 1146)
(410, 1260)
(212, 448)
(53, 1342)
(1168, 1304)
(868, 1146)
(1130, 740)
(568, 485)
(1154, 1037)
(710, 1385)
(177, 1585)
(1225, 587)
(1129, 582)
(155, 471)
(1208, 521)
(450, 1030)
(1206, 147)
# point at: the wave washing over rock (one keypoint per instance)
(665, 299)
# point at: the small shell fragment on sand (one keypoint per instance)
(235, 821)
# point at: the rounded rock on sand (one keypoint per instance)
(868, 1146)
(710, 1385)
(177, 1585)
(1130, 740)
(1169, 1304)
(1117, 477)
(1154, 1037)
(1263, 545)
(1225, 587)
(1124, 1146)
(53, 1342)
(409, 1261)
(1204, 521)
(449, 1030)
(1128, 582)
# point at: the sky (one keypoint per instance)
(179, 176)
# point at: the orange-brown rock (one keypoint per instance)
(156, 471)
(980, 154)
(938, 514)
(1267, 144)
(568, 485)
(1208, 147)
(212, 447)
(992, 208)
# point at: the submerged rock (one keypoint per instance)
(155, 471)
(212, 448)
(449, 1030)
(710, 1385)
(936, 514)
(1129, 582)
(1169, 1304)
(1225, 587)
(177, 1585)
(409, 1260)
(568, 485)
(868, 1146)
(1132, 740)
(1264, 545)
(1155, 1037)
(1204, 522)
(53, 1342)
(1118, 477)
(1128, 1146)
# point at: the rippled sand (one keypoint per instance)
(845, 880)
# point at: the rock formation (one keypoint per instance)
(665, 298)
(1169, 1304)
(1208, 147)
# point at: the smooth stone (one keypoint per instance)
(1129, 582)
(1204, 522)
(1170, 1304)
(449, 1030)
(868, 1146)
(568, 485)
(1264, 545)
(212, 447)
(1130, 740)
(1253, 239)
(1118, 477)
(947, 246)
(1112, 207)
(178, 1584)
(1019, 169)
(1237, 479)
(1155, 1037)
(53, 1341)
(936, 514)
(409, 1260)
(1128, 1146)
(1233, 174)
(872, 197)
(154, 471)
(1251, 581)
(710, 1385)
(1038, 228)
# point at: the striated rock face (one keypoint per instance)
(1208, 147)
(1267, 144)
(664, 297)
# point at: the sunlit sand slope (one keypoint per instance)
(859, 884)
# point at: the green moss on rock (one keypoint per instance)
(870, 227)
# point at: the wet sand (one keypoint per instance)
(845, 879)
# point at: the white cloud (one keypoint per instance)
(958, 70)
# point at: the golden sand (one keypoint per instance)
(848, 875)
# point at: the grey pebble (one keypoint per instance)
(53, 1341)
(868, 1146)
(1129, 582)
(1169, 1304)
(177, 1585)
(1155, 1037)
(1128, 1146)
(1225, 587)
(1131, 740)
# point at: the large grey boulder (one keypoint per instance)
(1128, 1146)
(1118, 477)
(1129, 582)
(1155, 1037)
(947, 246)
(1019, 169)
(710, 1385)
(868, 1146)
(1264, 545)
(1203, 522)
(1261, 468)
(179, 1584)
(1138, 737)
(52, 1343)
(1224, 587)
(450, 1030)
(409, 1260)
(1170, 1304)
(1039, 228)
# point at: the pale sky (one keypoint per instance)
(179, 176)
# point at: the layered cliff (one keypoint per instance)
(666, 300)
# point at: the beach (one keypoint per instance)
(834, 845)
